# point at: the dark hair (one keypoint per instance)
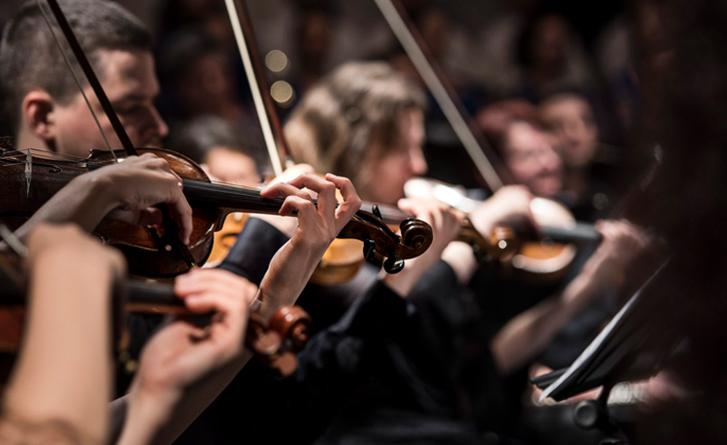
(197, 137)
(182, 50)
(30, 57)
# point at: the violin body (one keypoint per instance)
(225, 238)
(543, 259)
(30, 180)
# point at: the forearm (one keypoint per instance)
(288, 273)
(68, 327)
(526, 335)
(161, 419)
(403, 282)
(458, 255)
(84, 201)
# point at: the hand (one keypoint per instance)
(293, 172)
(622, 243)
(509, 204)
(137, 184)
(286, 225)
(318, 224)
(293, 265)
(177, 359)
(446, 224)
(180, 354)
(71, 247)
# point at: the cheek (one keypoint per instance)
(521, 170)
(77, 133)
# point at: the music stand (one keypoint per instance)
(628, 348)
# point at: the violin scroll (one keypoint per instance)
(278, 340)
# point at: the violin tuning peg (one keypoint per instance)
(267, 343)
(393, 265)
(376, 211)
(285, 363)
(369, 248)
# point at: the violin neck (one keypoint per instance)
(580, 233)
(231, 198)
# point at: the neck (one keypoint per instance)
(26, 139)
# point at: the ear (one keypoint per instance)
(37, 115)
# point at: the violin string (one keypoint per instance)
(52, 155)
(13, 241)
(46, 16)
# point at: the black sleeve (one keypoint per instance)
(254, 249)
(331, 360)
(438, 281)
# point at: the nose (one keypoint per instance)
(550, 160)
(161, 127)
(417, 161)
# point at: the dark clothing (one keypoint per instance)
(390, 370)
(254, 249)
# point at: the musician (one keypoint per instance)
(569, 117)
(47, 112)
(43, 102)
(529, 153)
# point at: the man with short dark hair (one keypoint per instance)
(46, 110)
(42, 101)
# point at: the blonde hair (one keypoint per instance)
(350, 118)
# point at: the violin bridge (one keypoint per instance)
(28, 171)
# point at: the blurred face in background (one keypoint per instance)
(207, 86)
(228, 165)
(550, 44)
(391, 167)
(570, 119)
(532, 159)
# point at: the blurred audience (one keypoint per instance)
(551, 57)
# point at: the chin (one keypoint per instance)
(547, 189)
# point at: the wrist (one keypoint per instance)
(289, 272)
(147, 414)
(100, 196)
(305, 246)
(460, 257)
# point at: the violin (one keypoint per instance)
(29, 180)
(342, 260)
(275, 342)
(543, 256)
